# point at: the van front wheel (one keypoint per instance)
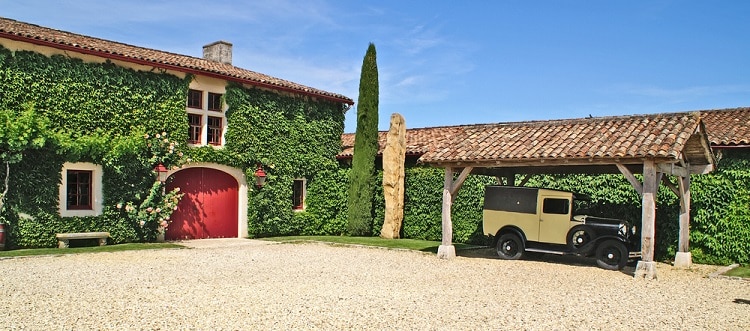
(611, 255)
(509, 247)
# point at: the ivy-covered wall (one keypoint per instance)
(105, 111)
(291, 137)
(124, 120)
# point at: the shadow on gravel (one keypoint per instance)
(745, 301)
(489, 253)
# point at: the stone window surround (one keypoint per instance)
(205, 113)
(96, 190)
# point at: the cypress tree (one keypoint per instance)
(362, 175)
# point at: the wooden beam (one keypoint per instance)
(671, 185)
(701, 169)
(542, 162)
(631, 178)
(456, 185)
(446, 249)
(648, 215)
(512, 179)
(646, 267)
(684, 194)
(672, 169)
(525, 179)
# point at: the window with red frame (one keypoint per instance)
(214, 130)
(195, 99)
(298, 194)
(194, 131)
(214, 102)
(79, 190)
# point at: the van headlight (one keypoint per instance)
(623, 230)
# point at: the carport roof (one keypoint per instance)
(668, 138)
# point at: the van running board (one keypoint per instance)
(536, 250)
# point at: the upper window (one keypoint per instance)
(195, 129)
(206, 120)
(195, 99)
(298, 194)
(79, 190)
(214, 102)
(214, 130)
(556, 206)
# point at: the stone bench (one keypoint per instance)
(63, 239)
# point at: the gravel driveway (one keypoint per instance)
(240, 284)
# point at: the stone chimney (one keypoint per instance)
(220, 51)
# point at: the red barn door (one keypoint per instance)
(209, 207)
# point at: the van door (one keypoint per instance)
(554, 219)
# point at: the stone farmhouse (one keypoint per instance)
(226, 151)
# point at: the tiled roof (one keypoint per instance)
(599, 138)
(35, 34)
(728, 127)
(659, 136)
(418, 141)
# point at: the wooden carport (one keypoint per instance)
(656, 146)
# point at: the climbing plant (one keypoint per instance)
(104, 111)
(290, 137)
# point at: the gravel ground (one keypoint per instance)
(246, 285)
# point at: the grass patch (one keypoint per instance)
(412, 244)
(743, 272)
(93, 249)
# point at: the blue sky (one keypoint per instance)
(454, 62)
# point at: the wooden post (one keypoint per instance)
(512, 179)
(683, 259)
(646, 267)
(446, 250)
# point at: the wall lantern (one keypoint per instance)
(260, 177)
(161, 172)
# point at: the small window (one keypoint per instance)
(298, 194)
(214, 130)
(214, 102)
(78, 190)
(195, 99)
(556, 206)
(195, 129)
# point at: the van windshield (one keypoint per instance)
(582, 206)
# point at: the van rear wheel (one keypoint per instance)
(509, 247)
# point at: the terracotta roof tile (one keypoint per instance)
(35, 34)
(658, 135)
(728, 127)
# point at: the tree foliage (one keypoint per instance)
(19, 134)
(362, 180)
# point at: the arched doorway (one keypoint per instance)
(209, 207)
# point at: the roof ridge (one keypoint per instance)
(133, 53)
(97, 38)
